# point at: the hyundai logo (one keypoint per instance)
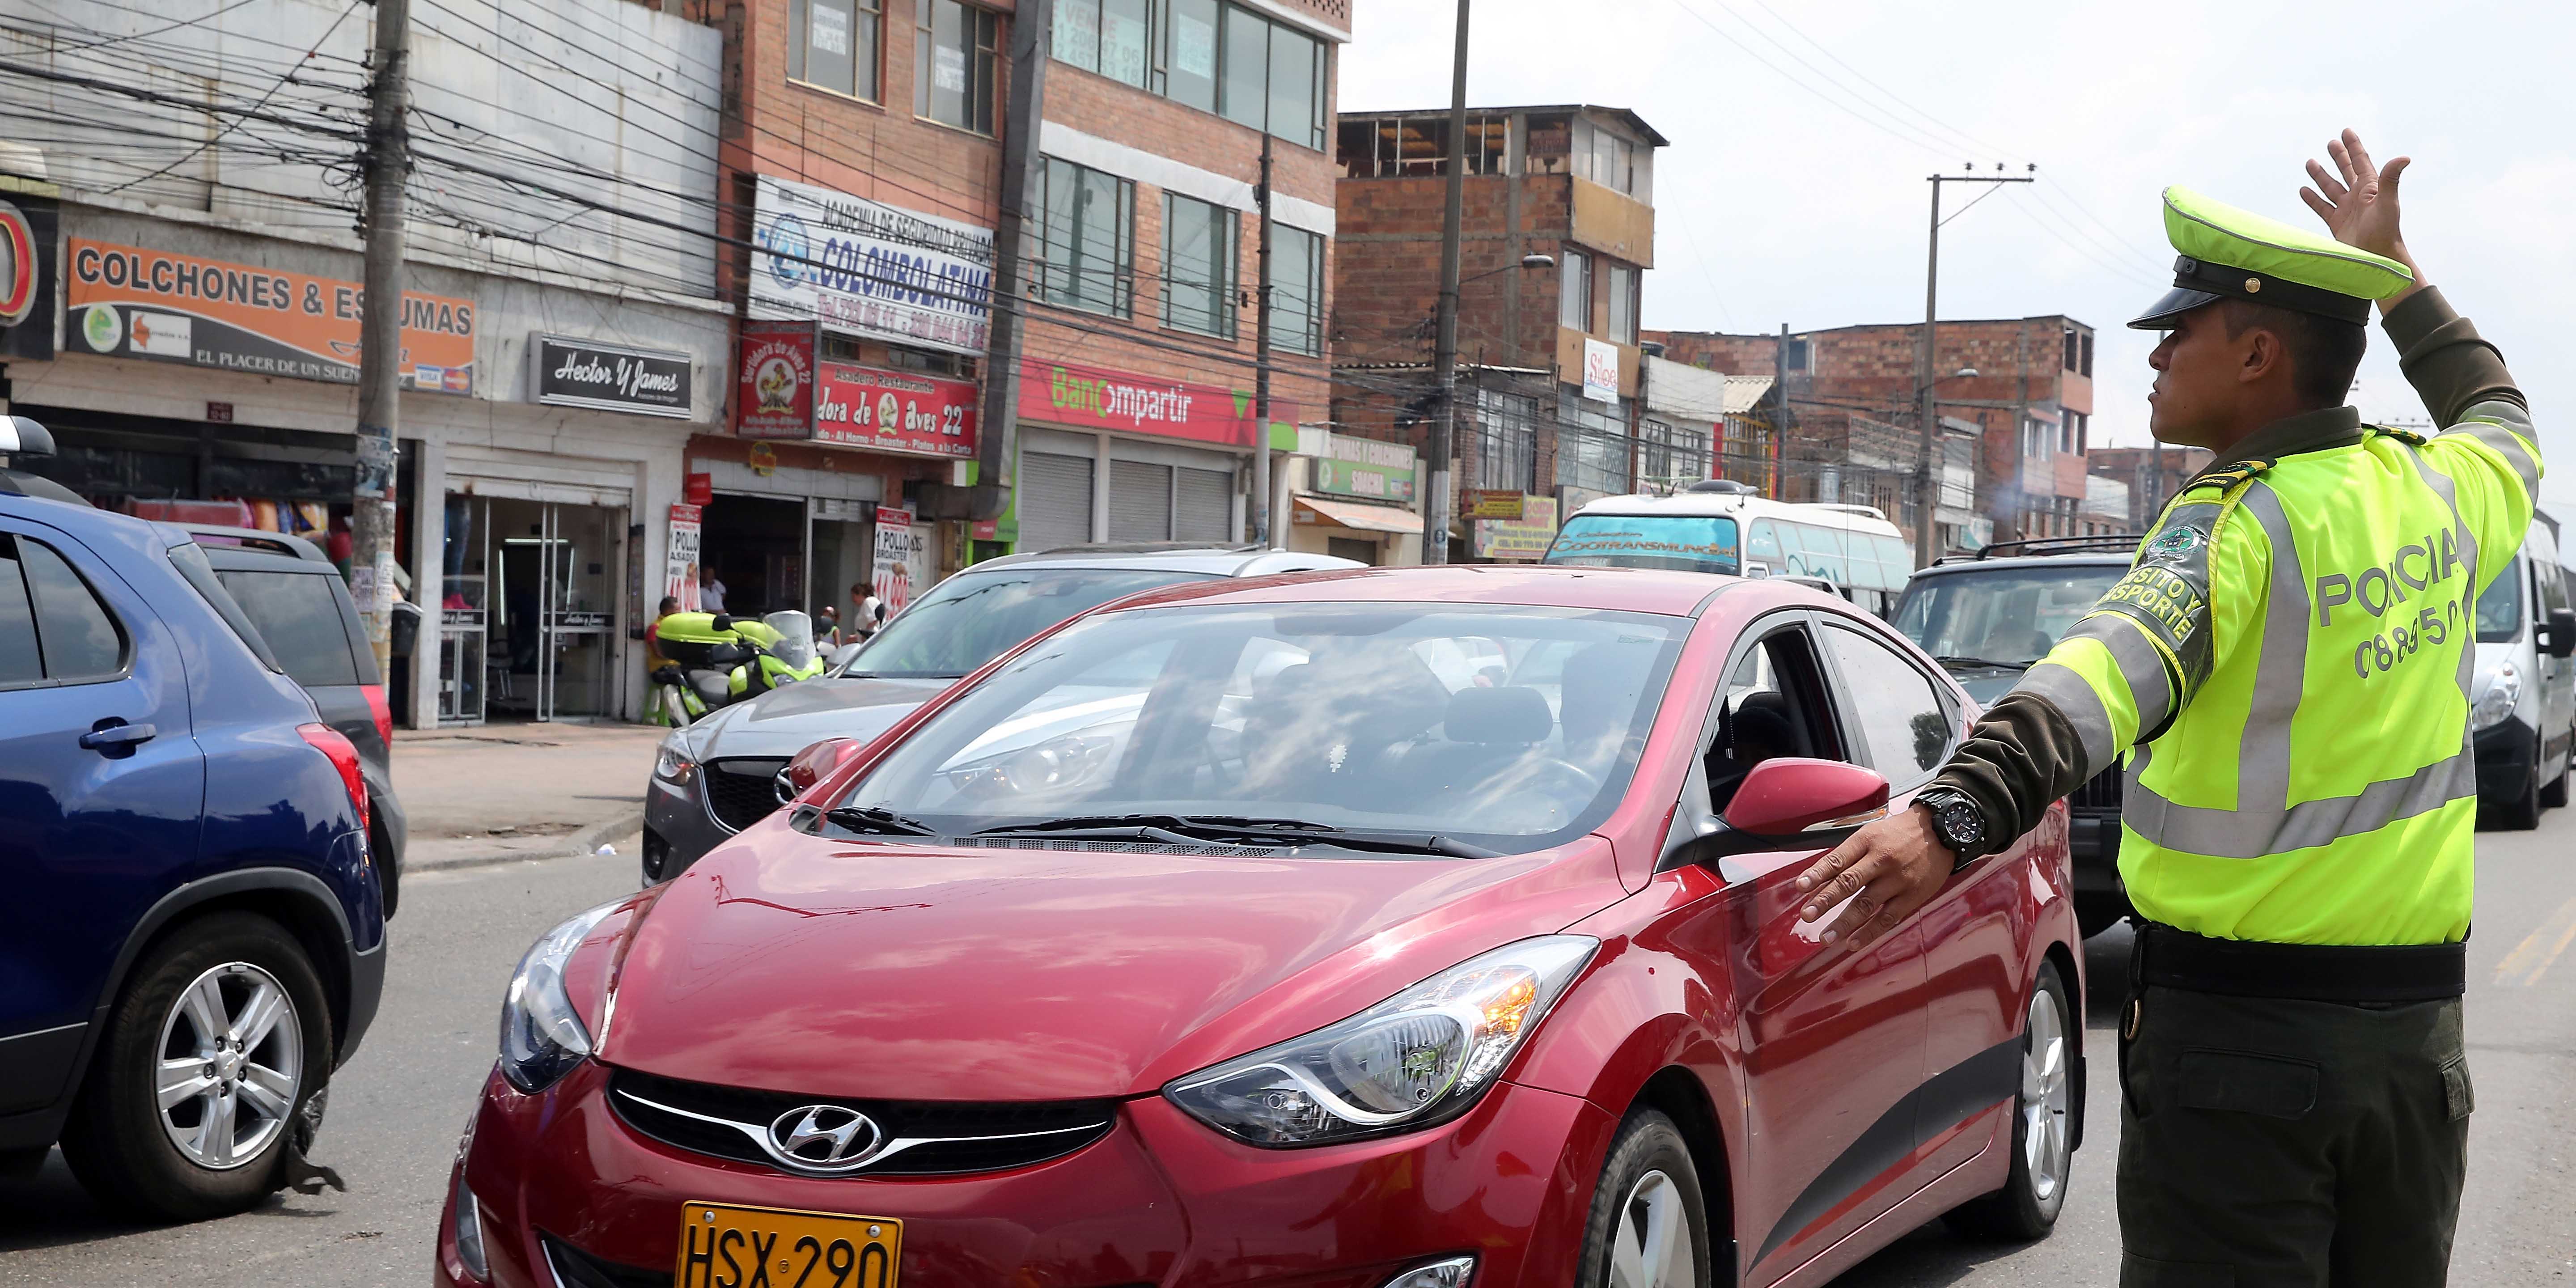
(781, 786)
(822, 1138)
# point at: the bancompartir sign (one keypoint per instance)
(133, 302)
(567, 372)
(863, 266)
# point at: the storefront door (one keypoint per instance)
(529, 628)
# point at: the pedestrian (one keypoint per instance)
(2286, 667)
(827, 627)
(867, 612)
(711, 592)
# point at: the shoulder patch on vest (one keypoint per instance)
(2406, 436)
(2228, 477)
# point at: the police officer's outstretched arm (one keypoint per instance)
(2487, 448)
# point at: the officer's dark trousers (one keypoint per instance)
(2267, 1142)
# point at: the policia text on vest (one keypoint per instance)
(2285, 675)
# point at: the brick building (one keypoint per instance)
(2137, 467)
(1574, 183)
(861, 159)
(2023, 417)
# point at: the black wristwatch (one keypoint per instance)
(1958, 821)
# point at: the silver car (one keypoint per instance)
(718, 776)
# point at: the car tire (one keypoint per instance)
(388, 867)
(2522, 812)
(2553, 793)
(223, 973)
(1648, 1208)
(2026, 1207)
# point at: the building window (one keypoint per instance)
(2072, 349)
(1613, 160)
(1506, 441)
(832, 44)
(1591, 444)
(1671, 453)
(1386, 147)
(1087, 236)
(1198, 266)
(2085, 363)
(1270, 77)
(1110, 37)
(1623, 303)
(1189, 53)
(1574, 291)
(1296, 290)
(953, 67)
(1797, 358)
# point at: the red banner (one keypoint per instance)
(774, 394)
(894, 411)
(1059, 393)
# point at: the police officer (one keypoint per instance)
(2286, 669)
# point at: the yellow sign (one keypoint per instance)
(764, 459)
(1524, 539)
(1484, 504)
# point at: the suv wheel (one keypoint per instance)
(2522, 812)
(2043, 1129)
(220, 1038)
(2553, 791)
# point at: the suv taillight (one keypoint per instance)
(344, 757)
(383, 712)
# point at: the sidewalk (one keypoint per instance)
(504, 791)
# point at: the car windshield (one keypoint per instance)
(1679, 543)
(2500, 606)
(1508, 728)
(2010, 616)
(974, 617)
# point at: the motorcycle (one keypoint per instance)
(717, 659)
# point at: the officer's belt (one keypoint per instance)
(2169, 958)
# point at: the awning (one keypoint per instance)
(1364, 517)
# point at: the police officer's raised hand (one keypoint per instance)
(1887, 870)
(2360, 207)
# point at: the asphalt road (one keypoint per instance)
(397, 1109)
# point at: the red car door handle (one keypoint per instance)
(117, 736)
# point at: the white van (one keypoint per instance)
(1719, 526)
(2525, 709)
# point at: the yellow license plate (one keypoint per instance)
(722, 1246)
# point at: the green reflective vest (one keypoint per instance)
(2286, 666)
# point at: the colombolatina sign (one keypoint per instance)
(866, 267)
(566, 372)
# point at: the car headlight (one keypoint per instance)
(672, 761)
(2504, 691)
(1420, 1057)
(1065, 760)
(541, 1037)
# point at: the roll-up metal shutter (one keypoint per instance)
(1203, 508)
(1055, 501)
(1140, 501)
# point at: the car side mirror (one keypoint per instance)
(2561, 638)
(1787, 795)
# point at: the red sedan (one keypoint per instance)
(1415, 928)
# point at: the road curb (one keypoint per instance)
(584, 841)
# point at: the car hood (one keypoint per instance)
(785, 721)
(801, 964)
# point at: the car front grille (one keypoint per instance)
(922, 1137)
(742, 791)
(575, 1268)
(2101, 793)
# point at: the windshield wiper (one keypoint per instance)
(870, 820)
(1948, 660)
(1186, 829)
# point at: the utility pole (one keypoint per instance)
(1927, 489)
(1779, 409)
(997, 449)
(371, 501)
(1261, 488)
(1435, 507)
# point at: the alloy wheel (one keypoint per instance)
(1652, 1247)
(232, 1061)
(2047, 1096)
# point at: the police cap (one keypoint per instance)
(2232, 253)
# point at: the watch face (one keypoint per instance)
(1963, 824)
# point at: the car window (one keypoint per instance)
(19, 661)
(80, 637)
(300, 618)
(2009, 616)
(1773, 704)
(1905, 726)
(2500, 607)
(974, 617)
(1332, 714)
(189, 561)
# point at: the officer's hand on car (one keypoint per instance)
(1895, 865)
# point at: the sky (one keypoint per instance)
(1793, 189)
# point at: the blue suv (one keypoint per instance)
(193, 938)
